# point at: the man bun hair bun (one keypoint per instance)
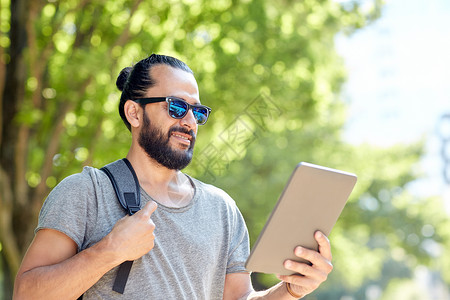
(123, 77)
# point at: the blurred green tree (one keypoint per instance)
(272, 76)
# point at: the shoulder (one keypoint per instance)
(72, 205)
(88, 178)
(76, 190)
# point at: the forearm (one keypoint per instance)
(68, 279)
(278, 291)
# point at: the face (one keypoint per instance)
(156, 144)
(169, 141)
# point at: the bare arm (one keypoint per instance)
(238, 285)
(52, 268)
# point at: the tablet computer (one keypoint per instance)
(312, 200)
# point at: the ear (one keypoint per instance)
(133, 113)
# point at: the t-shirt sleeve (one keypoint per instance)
(239, 245)
(66, 207)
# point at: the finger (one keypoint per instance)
(319, 270)
(324, 245)
(317, 260)
(303, 285)
(301, 268)
(296, 279)
(148, 209)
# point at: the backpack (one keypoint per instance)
(127, 188)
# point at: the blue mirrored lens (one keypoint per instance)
(200, 114)
(178, 109)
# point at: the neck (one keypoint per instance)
(168, 187)
(150, 171)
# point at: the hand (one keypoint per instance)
(311, 276)
(132, 236)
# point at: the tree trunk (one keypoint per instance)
(12, 98)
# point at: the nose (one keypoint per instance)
(189, 120)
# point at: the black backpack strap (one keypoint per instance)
(127, 188)
(125, 183)
(122, 276)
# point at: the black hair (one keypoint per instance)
(135, 81)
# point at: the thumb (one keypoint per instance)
(148, 209)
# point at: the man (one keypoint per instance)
(191, 245)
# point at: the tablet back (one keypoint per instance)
(312, 200)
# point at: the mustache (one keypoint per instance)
(183, 130)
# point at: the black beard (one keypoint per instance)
(156, 145)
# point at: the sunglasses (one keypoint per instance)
(178, 108)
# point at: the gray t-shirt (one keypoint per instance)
(195, 246)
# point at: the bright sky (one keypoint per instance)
(399, 82)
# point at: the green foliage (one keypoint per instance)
(270, 72)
